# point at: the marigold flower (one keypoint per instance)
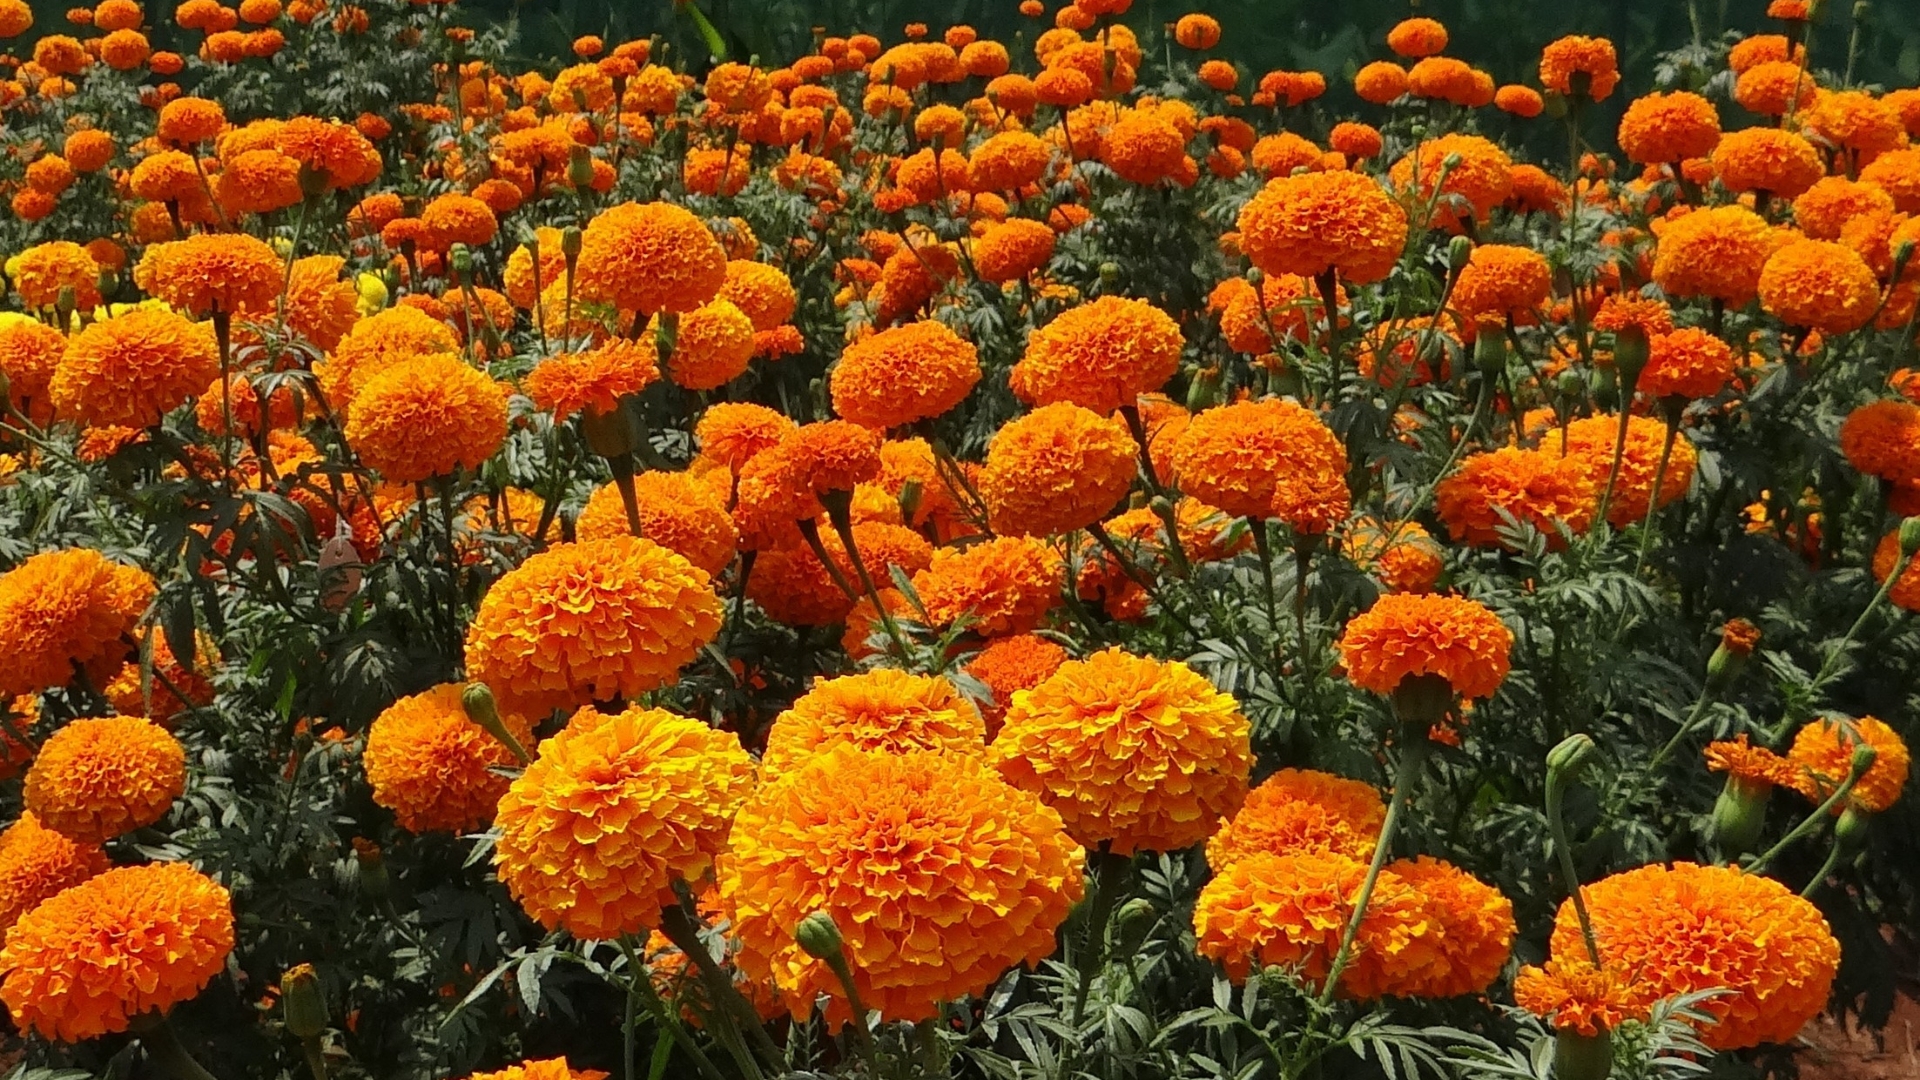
(1416, 38)
(96, 779)
(985, 881)
(1820, 285)
(1716, 253)
(1822, 758)
(834, 455)
(1402, 636)
(30, 351)
(1136, 754)
(1662, 129)
(378, 342)
(1443, 78)
(1685, 928)
(1381, 82)
(1503, 280)
(1689, 363)
(425, 417)
(1301, 810)
(36, 862)
(1824, 210)
(712, 347)
(1197, 31)
(1101, 355)
(433, 766)
(188, 121)
(134, 368)
(682, 512)
(1886, 555)
(1589, 444)
(1858, 121)
(544, 1069)
(1530, 486)
(1309, 225)
(1011, 250)
(1882, 438)
(45, 269)
(1265, 459)
(1896, 173)
(733, 432)
(172, 687)
(879, 711)
(590, 621)
(612, 811)
(1011, 664)
(135, 940)
(1476, 928)
(1403, 557)
(1294, 311)
(1576, 996)
(1057, 469)
(1572, 60)
(1479, 182)
(762, 292)
(454, 218)
(649, 258)
(1767, 159)
(1775, 88)
(1752, 767)
(1522, 101)
(228, 273)
(1006, 585)
(59, 609)
(904, 374)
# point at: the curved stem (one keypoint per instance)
(1812, 822)
(1557, 828)
(1413, 757)
(164, 1047)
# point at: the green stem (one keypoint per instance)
(164, 1047)
(1413, 758)
(680, 928)
(1563, 851)
(638, 984)
(1820, 878)
(843, 526)
(1109, 881)
(1839, 651)
(1692, 721)
(1619, 451)
(316, 1057)
(1812, 822)
(1653, 497)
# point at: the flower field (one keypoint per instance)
(1014, 559)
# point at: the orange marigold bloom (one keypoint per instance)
(162, 701)
(1356, 141)
(258, 182)
(1301, 811)
(1895, 173)
(834, 455)
(135, 940)
(134, 368)
(1442, 77)
(186, 122)
(1011, 664)
(1403, 557)
(1715, 253)
(1009, 161)
(1057, 469)
(88, 150)
(1882, 438)
(1522, 101)
(650, 257)
(30, 350)
(1481, 181)
(1340, 222)
(1856, 120)
(1820, 285)
(1101, 355)
(379, 342)
(45, 269)
(614, 810)
(227, 273)
(1760, 49)
(1589, 447)
(62, 608)
(1197, 31)
(1660, 129)
(1531, 486)
(433, 766)
(36, 862)
(1576, 996)
(1685, 928)
(879, 711)
(713, 346)
(1416, 38)
(591, 621)
(1823, 210)
(1767, 159)
(1822, 755)
(1574, 60)
(1906, 591)
(1006, 585)
(986, 881)
(1476, 928)
(1282, 153)
(1380, 82)
(1775, 88)
(453, 218)
(763, 292)
(733, 432)
(904, 374)
(1689, 363)
(100, 778)
(320, 306)
(680, 511)
(1753, 768)
(1012, 249)
(1503, 280)
(1136, 754)
(1402, 636)
(544, 1069)
(49, 173)
(425, 417)
(1265, 459)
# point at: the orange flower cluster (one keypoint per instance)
(877, 711)
(65, 609)
(433, 766)
(1403, 636)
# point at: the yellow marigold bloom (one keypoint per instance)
(985, 880)
(1301, 810)
(36, 862)
(1882, 438)
(59, 609)
(1402, 556)
(1101, 356)
(134, 368)
(545, 1069)
(591, 621)
(425, 417)
(1822, 755)
(763, 292)
(135, 940)
(733, 432)
(1574, 58)
(682, 512)
(1684, 928)
(321, 307)
(1265, 459)
(1338, 221)
(1006, 585)
(594, 381)
(1057, 469)
(1504, 281)
(433, 767)
(903, 374)
(1481, 180)
(1820, 285)
(649, 258)
(1136, 754)
(45, 269)
(101, 778)
(612, 812)
(712, 347)
(880, 711)
(30, 351)
(1289, 911)
(1663, 129)
(213, 272)
(1589, 445)
(1576, 996)
(1716, 253)
(1533, 487)
(378, 342)
(1404, 636)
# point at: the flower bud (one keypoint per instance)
(1630, 348)
(570, 242)
(1451, 162)
(819, 936)
(910, 495)
(1582, 1057)
(1863, 757)
(1739, 814)
(373, 868)
(1850, 832)
(1910, 536)
(580, 166)
(1567, 760)
(460, 258)
(1902, 255)
(1490, 352)
(1572, 384)
(1109, 272)
(477, 699)
(1204, 389)
(610, 435)
(304, 1006)
(1132, 923)
(1459, 251)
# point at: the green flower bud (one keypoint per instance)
(1739, 814)
(819, 936)
(1572, 384)
(910, 495)
(580, 166)
(1490, 352)
(1910, 536)
(304, 1006)
(373, 868)
(1132, 923)
(460, 258)
(1567, 760)
(1582, 1057)
(1630, 354)
(1863, 757)
(1204, 389)
(570, 242)
(1850, 832)
(313, 181)
(1459, 251)
(477, 699)
(1109, 272)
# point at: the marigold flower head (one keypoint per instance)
(1819, 285)
(1532, 487)
(1716, 253)
(1403, 557)
(1576, 996)
(228, 273)
(1886, 555)
(1380, 82)
(378, 342)
(1858, 121)
(1442, 78)
(1403, 635)
(733, 432)
(425, 417)
(712, 347)
(1823, 210)
(1589, 448)
(1503, 280)
(1822, 758)
(1338, 221)
(680, 511)
(938, 875)
(1661, 129)
(881, 711)
(1265, 459)
(130, 941)
(1775, 88)
(1416, 38)
(1010, 664)
(172, 687)
(612, 811)
(1011, 250)
(1567, 63)
(1101, 356)
(1476, 928)
(1480, 181)
(433, 766)
(1882, 438)
(1006, 585)
(96, 779)
(45, 269)
(544, 1069)
(134, 368)
(36, 862)
(188, 121)
(1522, 101)
(59, 609)
(763, 292)
(1137, 754)
(903, 374)
(649, 258)
(1008, 161)
(1301, 810)
(1767, 159)
(1057, 469)
(1751, 766)
(1689, 363)
(1293, 312)
(1197, 31)
(30, 351)
(590, 621)
(1686, 928)
(834, 455)
(596, 380)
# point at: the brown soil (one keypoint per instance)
(1835, 1053)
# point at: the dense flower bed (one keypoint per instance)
(950, 557)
